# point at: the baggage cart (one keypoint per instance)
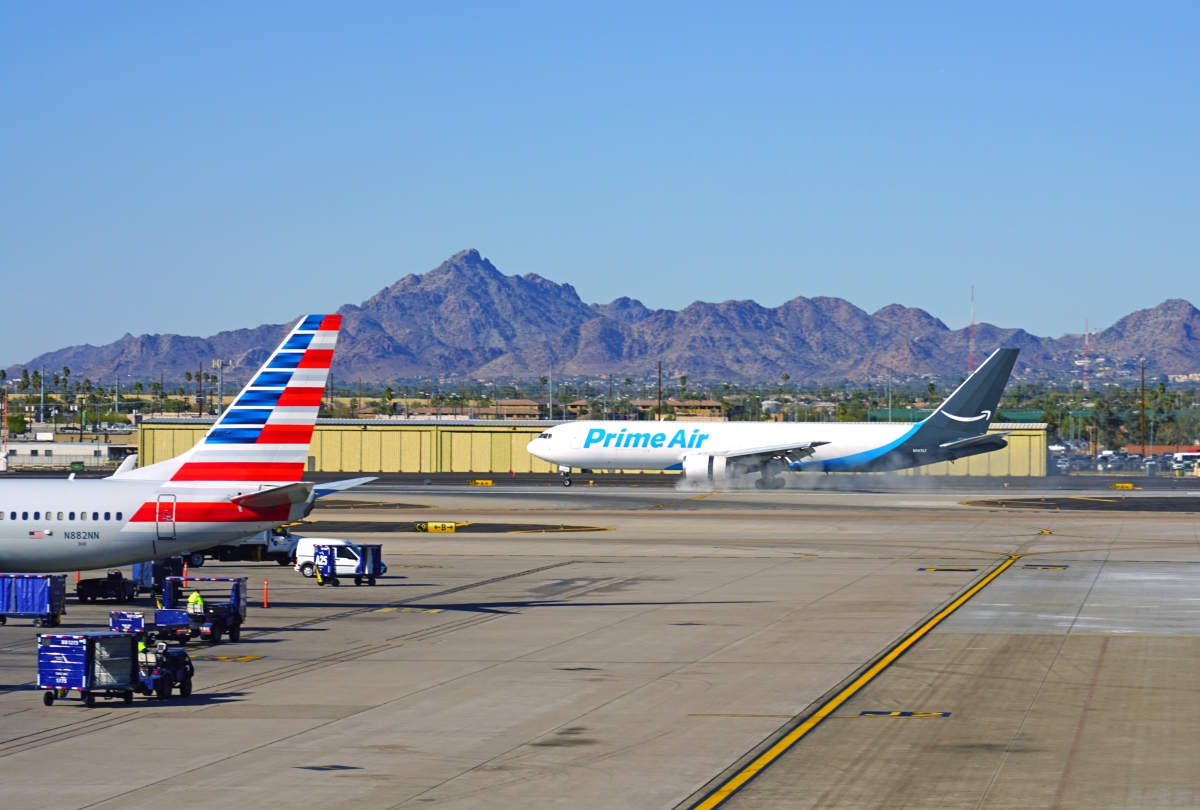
(126, 621)
(325, 565)
(173, 624)
(92, 664)
(41, 597)
(215, 618)
(114, 586)
(370, 564)
(149, 575)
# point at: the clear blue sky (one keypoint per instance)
(192, 167)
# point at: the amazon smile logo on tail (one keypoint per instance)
(985, 415)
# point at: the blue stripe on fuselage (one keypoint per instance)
(850, 462)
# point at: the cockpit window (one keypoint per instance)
(545, 435)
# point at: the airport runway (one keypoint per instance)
(680, 645)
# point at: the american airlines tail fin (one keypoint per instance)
(972, 407)
(263, 436)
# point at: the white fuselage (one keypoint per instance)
(664, 445)
(70, 525)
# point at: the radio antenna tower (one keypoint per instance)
(4, 430)
(1087, 363)
(971, 339)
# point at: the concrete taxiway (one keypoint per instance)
(677, 653)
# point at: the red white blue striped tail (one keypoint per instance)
(263, 437)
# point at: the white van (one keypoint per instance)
(1184, 461)
(347, 555)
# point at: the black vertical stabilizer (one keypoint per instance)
(972, 406)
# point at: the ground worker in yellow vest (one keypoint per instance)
(195, 603)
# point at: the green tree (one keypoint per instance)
(1107, 417)
(16, 422)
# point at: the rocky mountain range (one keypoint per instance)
(467, 317)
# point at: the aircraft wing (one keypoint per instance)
(277, 496)
(760, 455)
(323, 489)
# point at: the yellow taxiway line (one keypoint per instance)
(735, 782)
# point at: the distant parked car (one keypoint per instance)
(1185, 461)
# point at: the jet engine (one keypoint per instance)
(700, 468)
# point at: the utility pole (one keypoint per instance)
(660, 410)
(42, 400)
(550, 393)
(889, 396)
(1087, 363)
(1143, 409)
(219, 365)
(199, 390)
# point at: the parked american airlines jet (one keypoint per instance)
(241, 479)
(715, 451)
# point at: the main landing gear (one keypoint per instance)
(770, 482)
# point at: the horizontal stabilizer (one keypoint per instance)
(986, 438)
(278, 496)
(323, 489)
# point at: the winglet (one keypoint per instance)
(126, 467)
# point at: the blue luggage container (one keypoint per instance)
(41, 597)
(173, 624)
(126, 621)
(325, 565)
(92, 664)
(370, 564)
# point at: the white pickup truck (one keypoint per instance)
(277, 545)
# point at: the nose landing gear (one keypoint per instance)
(566, 475)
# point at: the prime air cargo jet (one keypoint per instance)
(241, 479)
(716, 451)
